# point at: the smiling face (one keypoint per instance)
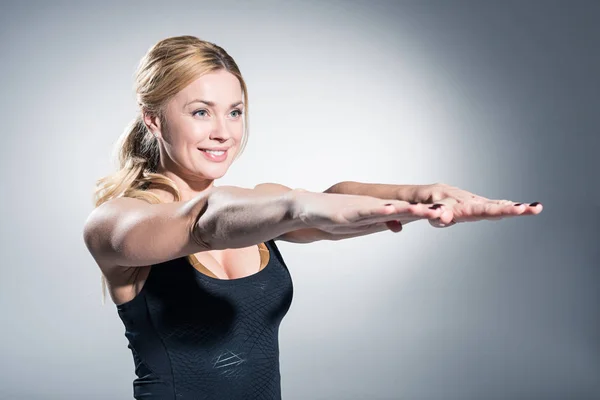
(206, 114)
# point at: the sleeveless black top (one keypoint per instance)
(196, 337)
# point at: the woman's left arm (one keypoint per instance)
(410, 193)
(461, 205)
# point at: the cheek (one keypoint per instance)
(189, 133)
(237, 130)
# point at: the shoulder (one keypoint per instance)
(274, 187)
(112, 208)
(277, 188)
(101, 221)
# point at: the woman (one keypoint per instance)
(193, 268)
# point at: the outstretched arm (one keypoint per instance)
(456, 205)
(460, 205)
(128, 232)
(309, 235)
(410, 193)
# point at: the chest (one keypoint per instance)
(221, 264)
(232, 263)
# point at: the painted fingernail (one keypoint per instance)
(435, 206)
(413, 202)
(534, 204)
(518, 204)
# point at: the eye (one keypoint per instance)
(202, 112)
(239, 113)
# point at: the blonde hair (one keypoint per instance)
(168, 67)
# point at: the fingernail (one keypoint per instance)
(518, 204)
(534, 204)
(413, 202)
(435, 206)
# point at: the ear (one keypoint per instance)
(152, 122)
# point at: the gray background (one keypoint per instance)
(498, 98)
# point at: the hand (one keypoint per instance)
(462, 206)
(341, 214)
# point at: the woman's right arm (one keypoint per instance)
(130, 232)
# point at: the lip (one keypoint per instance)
(215, 148)
(214, 157)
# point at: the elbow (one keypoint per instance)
(236, 217)
(337, 188)
(219, 222)
(208, 227)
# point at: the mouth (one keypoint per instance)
(216, 155)
(215, 152)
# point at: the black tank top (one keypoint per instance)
(196, 337)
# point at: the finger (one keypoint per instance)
(535, 208)
(512, 209)
(447, 215)
(445, 219)
(497, 210)
(437, 223)
(385, 207)
(413, 213)
(486, 211)
(521, 208)
(493, 212)
(424, 211)
(532, 208)
(394, 226)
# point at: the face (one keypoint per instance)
(205, 115)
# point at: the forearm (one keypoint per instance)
(238, 217)
(410, 193)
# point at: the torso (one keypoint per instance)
(194, 335)
(230, 263)
(125, 283)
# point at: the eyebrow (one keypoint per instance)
(210, 103)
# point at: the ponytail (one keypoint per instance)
(138, 157)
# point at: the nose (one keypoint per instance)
(219, 129)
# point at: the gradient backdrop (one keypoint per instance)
(498, 98)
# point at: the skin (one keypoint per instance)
(191, 125)
(462, 206)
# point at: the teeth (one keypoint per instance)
(215, 152)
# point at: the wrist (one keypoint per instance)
(294, 200)
(423, 193)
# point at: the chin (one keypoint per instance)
(212, 173)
